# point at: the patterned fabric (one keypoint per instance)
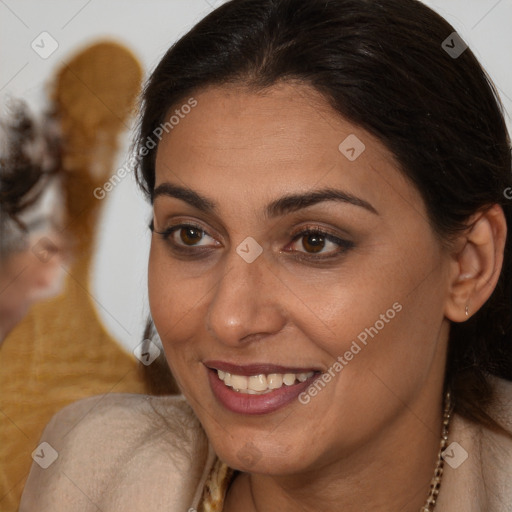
(216, 486)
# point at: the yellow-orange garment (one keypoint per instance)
(216, 486)
(61, 352)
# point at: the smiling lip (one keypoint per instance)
(242, 403)
(255, 369)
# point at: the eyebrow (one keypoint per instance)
(281, 206)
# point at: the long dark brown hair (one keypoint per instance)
(381, 64)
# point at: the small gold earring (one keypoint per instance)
(467, 310)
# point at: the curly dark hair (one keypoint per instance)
(381, 65)
(30, 152)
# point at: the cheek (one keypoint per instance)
(383, 320)
(393, 352)
(176, 302)
(164, 299)
(336, 308)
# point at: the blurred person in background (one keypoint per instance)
(32, 246)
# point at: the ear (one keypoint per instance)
(476, 263)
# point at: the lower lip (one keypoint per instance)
(243, 403)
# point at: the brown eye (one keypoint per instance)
(190, 235)
(187, 236)
(319, 243)
(313, 242)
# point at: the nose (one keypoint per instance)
(246, 305)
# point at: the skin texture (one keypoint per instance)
(369, 439)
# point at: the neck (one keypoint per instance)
(388, 474)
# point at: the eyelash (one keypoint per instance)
(343, 245)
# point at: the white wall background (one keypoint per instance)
(148, 28)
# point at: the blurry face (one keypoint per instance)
(33, 270)
(294, 279)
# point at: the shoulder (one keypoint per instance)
(478, 461)
(496, 450)
(117, 452)
(497, 446)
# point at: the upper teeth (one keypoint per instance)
(260, 384)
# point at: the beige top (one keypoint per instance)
(120, 452)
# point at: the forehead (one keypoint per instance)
(283, 139)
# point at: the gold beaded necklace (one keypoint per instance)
(221, 475)
(435, 484)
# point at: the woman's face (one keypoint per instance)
(290, 252)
